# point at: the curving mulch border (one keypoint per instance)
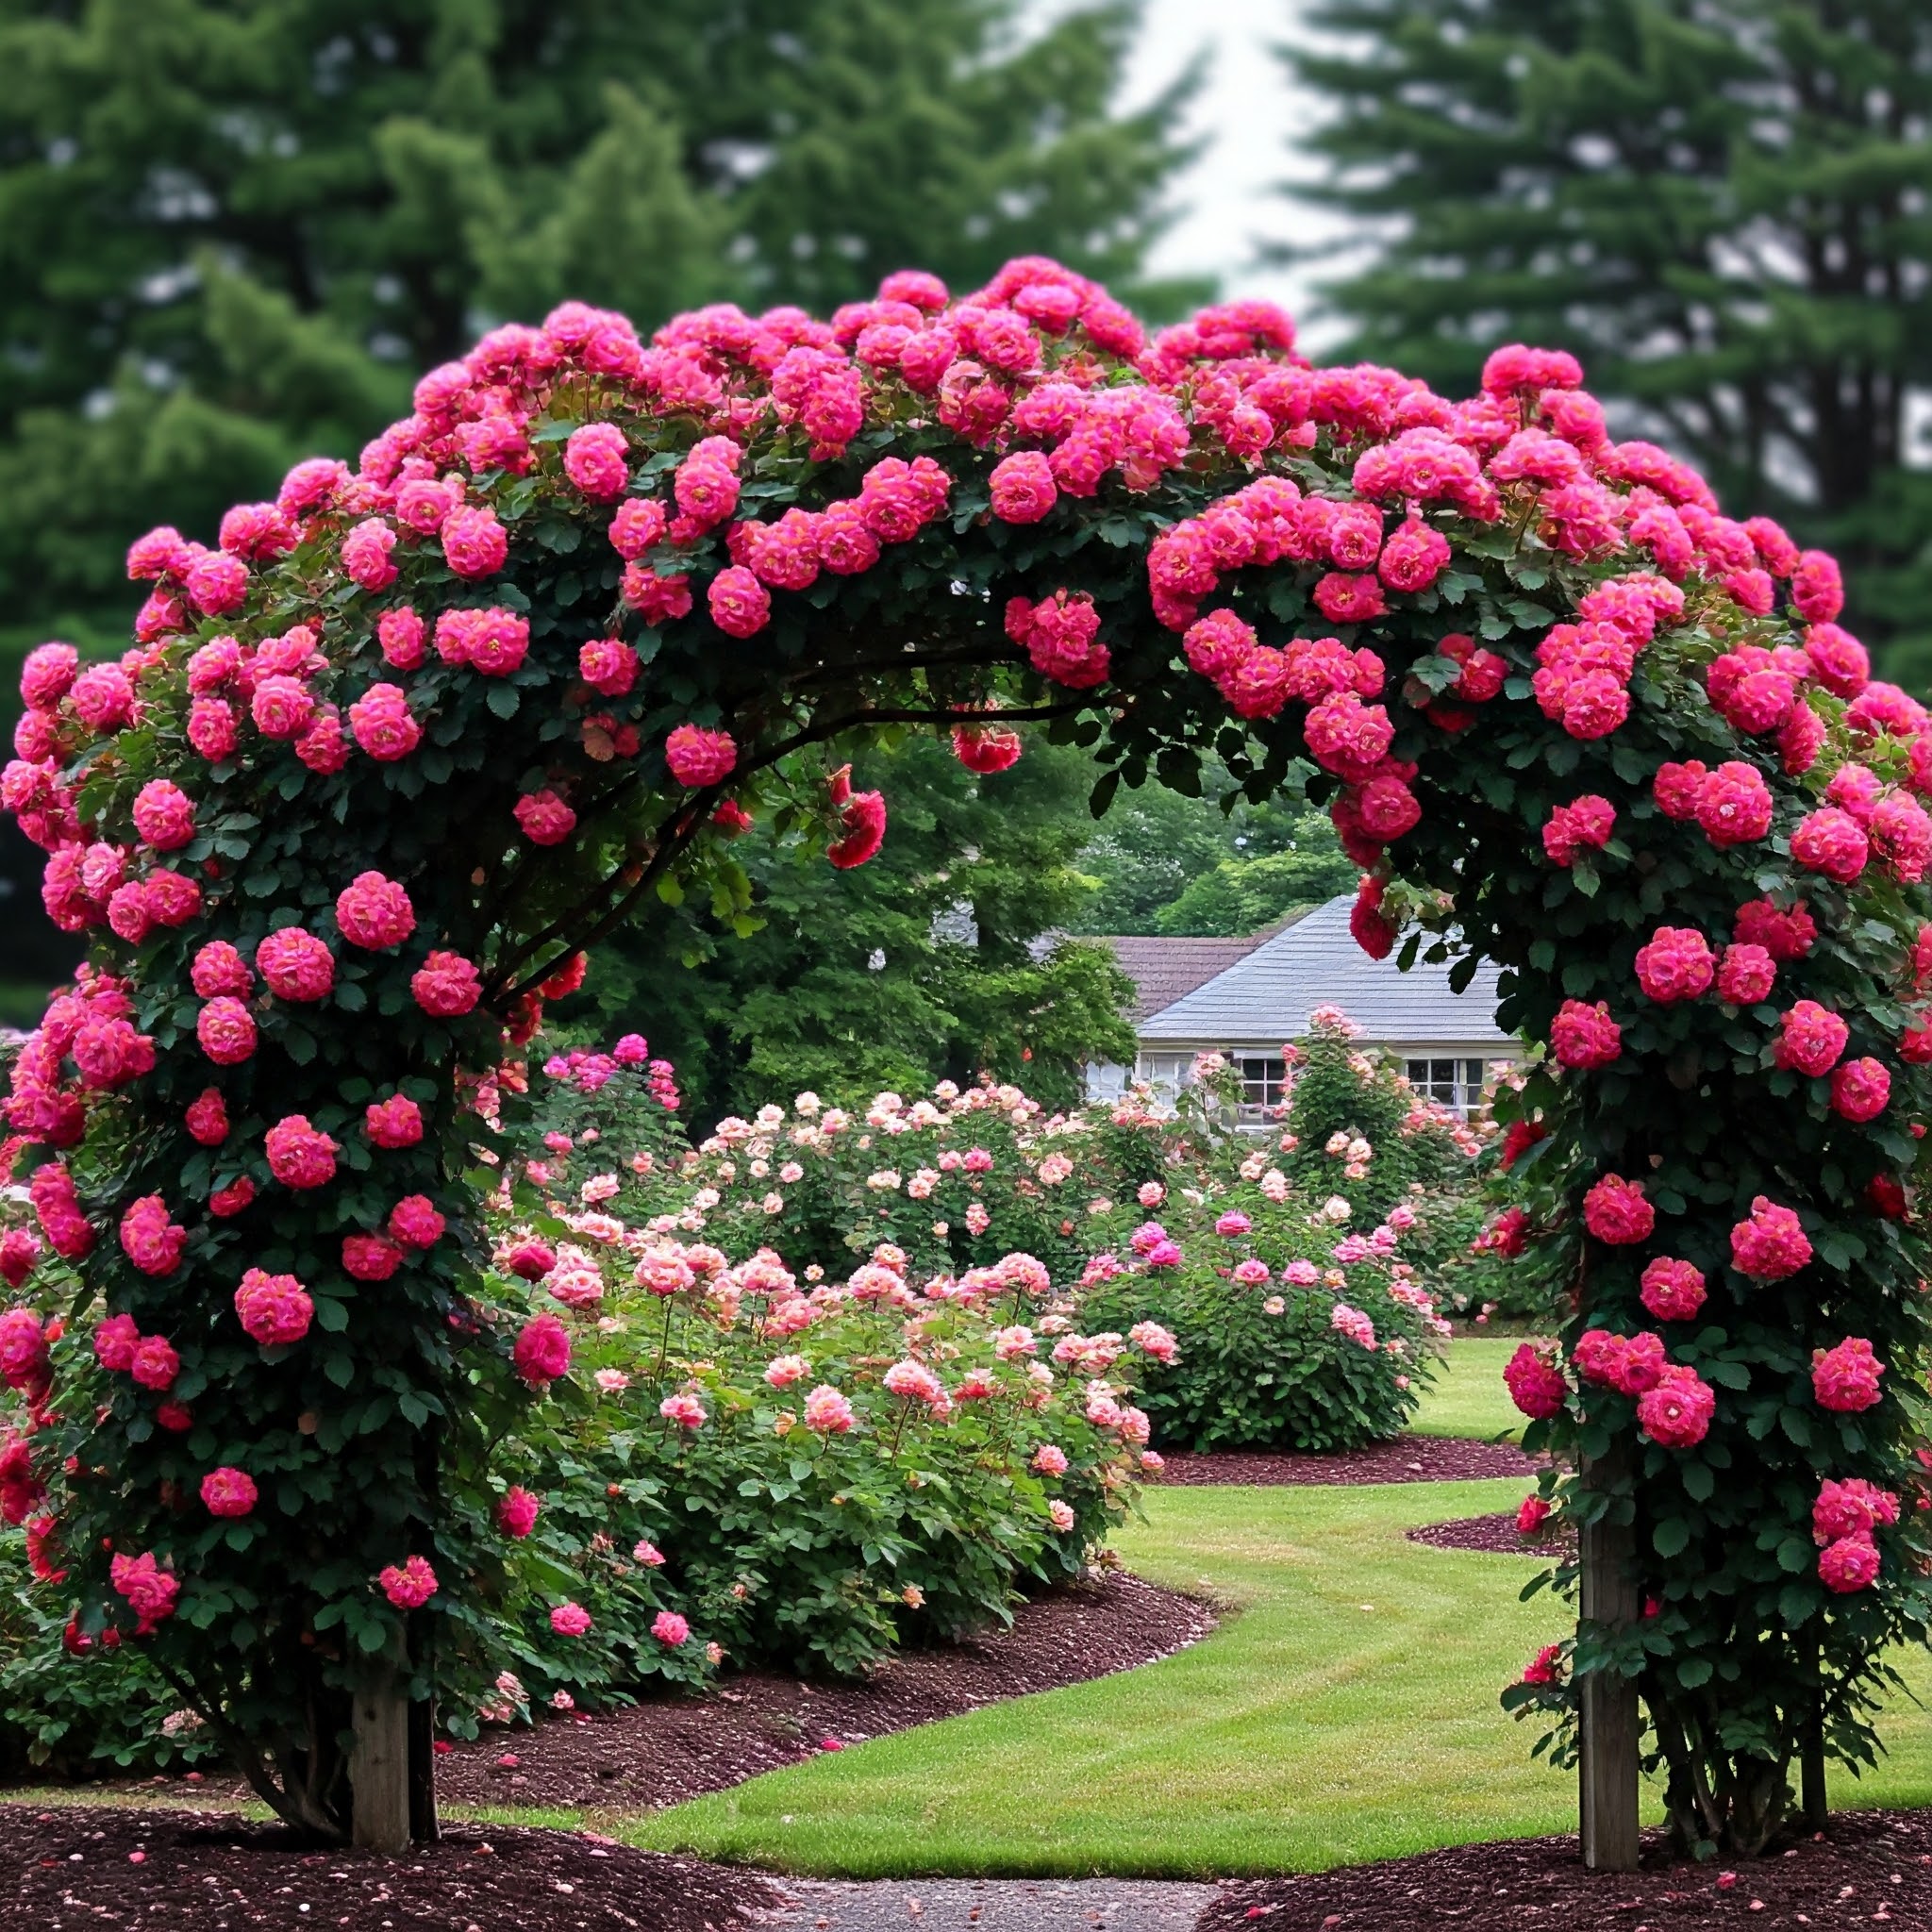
(210, 1871)
(1869, 1867)
(1496, 1534)
(1402, 1459)
(666, 1751)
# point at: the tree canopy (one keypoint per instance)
(1719, 203)
(937, 960)
(231, 237)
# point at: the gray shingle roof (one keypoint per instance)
(1267, 995)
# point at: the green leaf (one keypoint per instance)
(1672, 1536)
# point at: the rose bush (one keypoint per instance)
(1468, 614)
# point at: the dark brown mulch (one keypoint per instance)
(664, 1752)
(1406, 1460)
(1495, 1533)
(1871, 1866)
(207, 1872)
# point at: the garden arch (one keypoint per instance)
(383, 764)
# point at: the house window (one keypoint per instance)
(1454, 1084)
(1165, 1073)
(1264, 1085)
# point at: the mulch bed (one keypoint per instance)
(664, 1752)
(1406, 1460)
(1493, 1533)
(1871, 1867)
(207, 1872)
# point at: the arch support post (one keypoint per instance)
(379, 1765)
(1610, 1725)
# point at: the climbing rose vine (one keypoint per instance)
(381, 765)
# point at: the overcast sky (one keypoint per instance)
(1247, 112)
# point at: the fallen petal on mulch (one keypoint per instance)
(1497, 1534)
(207, 1872)
(1872, 1867)
(1405, 1459)
(662, 1753)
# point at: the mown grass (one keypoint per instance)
(1467, 1397)
(1347, 1711)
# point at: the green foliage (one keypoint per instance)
(77, 1716)
(1718, 203)
(230, 243)
(937, 960)
(1208, 859)
(1242, 896)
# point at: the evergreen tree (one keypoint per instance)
(937, 960)
(1720, 205)
(231, 236)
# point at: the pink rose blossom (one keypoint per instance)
(374, 912)
(1770, 1245)
(1615, 1211)
(1677, 964)
(296, 965)
(382, 724)
(1536, 1384)
(474, 543)
(542, 1352)
(1851, 1563)
(546, 818)
(1676, 1413)
(1845, 1379)
(1585, 1036)
(298, 1155)
(409, 1586)
(228, 1493)
(446, 985)
(1809, 1039)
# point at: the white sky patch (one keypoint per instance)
(1248, 113)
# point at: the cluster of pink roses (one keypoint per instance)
(1844, 1525)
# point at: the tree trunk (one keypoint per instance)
(379, 1766)
(1607, 1804)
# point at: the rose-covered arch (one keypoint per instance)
(381, 766)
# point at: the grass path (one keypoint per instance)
(1467, 1397)
(1347, 1712)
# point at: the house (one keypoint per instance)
(1245, 997)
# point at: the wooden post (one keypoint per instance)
(423, 1826)
(1610, 1730)
(1811, 1793)
(379, 1766)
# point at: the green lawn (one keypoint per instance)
(1347, 1712)
(1467, 1397)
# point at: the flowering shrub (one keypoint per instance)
(1300, 1315)
(782, 533)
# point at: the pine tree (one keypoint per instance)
(937, 960)
(233, 236)
(1720, 205)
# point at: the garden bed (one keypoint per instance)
(1496, 1534)
(208, 1871)
(1405, 1459)
(1871, 1866)
(666, 1751)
